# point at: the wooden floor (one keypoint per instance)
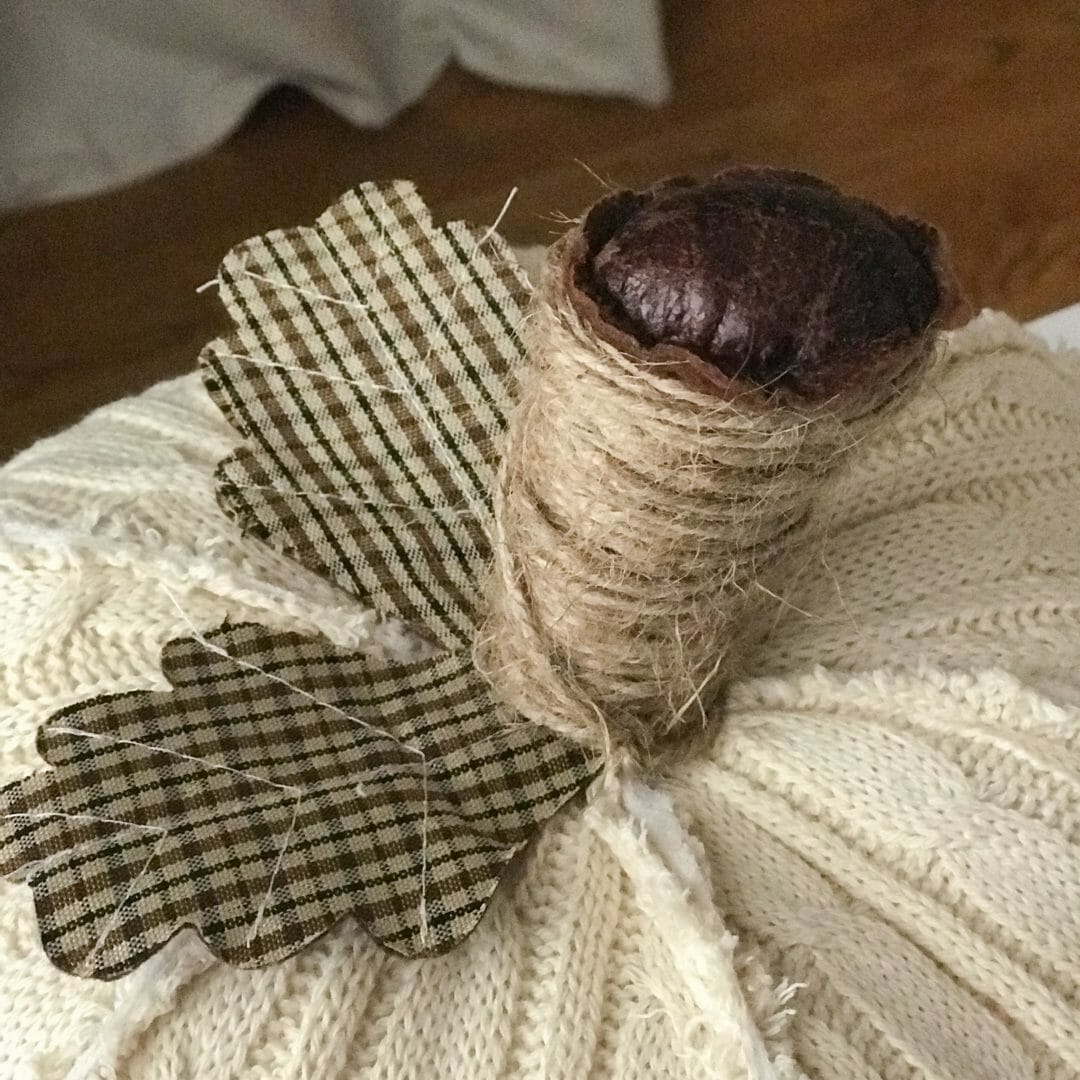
(967, 114)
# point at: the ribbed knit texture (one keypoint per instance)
(890, 816)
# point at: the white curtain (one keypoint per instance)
(97, 92)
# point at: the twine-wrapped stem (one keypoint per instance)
(639, 496)
(632, 514)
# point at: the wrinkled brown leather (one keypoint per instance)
(775, 278)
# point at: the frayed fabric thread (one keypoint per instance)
(667, 869)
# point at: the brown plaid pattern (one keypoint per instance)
(370, 371)
(274, 791)
(284, 784)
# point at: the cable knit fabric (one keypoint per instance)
(890, 817)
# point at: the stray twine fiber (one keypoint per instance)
(632, 513)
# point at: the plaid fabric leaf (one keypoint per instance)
(370, 371)
(282, 785)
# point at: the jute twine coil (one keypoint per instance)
(634, 509)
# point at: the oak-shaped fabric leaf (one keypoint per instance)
(282, 785)
(370, 371)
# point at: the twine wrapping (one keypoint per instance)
(639, 497)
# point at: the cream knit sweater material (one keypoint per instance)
(889, 822)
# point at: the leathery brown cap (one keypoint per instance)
(761, 278)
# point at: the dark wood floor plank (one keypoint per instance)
(965, 114)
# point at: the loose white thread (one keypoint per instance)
(86, 966)
(596, 176)
(313, 373)
(493, 227)
(312, 294)
(253, 933)
(26, 869)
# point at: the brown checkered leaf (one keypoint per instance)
(282, 785)
(370, 372)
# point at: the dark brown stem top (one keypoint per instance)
(775, 279)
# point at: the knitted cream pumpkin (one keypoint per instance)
(871, 869)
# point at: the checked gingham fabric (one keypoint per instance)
(262, 810)
(283, 784)
(371, 372)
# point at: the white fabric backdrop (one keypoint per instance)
(1060, 328)
(94, 94)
